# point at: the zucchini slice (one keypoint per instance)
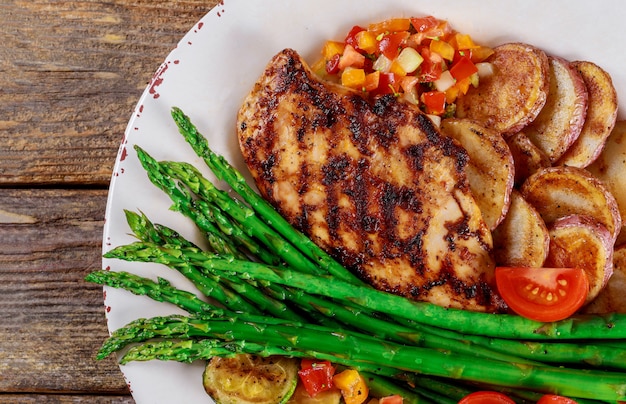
(251, 379)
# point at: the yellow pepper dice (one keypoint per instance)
(366, 41)
(391, 25)
(352, 385)
(353, 78)
(332, 48)
(442, 48)
(463, 42)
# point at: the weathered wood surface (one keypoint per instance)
(71, 73)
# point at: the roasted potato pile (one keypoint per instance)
(548, 166)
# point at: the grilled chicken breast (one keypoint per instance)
(371, 182)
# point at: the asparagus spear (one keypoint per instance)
(224, 171)
(243, 215)
(160, 291)
(145, 230)
(551, 353)
(200, 212)
(352, 348)
(611, 326)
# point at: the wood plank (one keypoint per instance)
(51, 321)
(72, 72)
(64, 399)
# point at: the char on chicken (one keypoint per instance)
(372, 182)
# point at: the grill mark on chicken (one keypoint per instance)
(374, 184)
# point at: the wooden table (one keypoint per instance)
(71, 73)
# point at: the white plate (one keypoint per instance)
(220, 58)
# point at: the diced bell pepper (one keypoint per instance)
(353, 77)
(463, 68)
(434, 101)
(389, 45)
(442, 48)
(390, 25)
(316, 376)
(372, 81)
(352, 385)
(332, 48)
(366, 41)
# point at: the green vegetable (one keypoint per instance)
(611, 326)
(225, 172)
(279, 294)
(363, 352)
(251, 379)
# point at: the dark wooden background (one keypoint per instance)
(71, 73)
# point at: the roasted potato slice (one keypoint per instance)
(610, 168)
(611, 298)
(560, 122)
(514, 94)
(562, 191)
(528, 157)
(490, 170)
(579, 241)
(600, 120)
(522, 238)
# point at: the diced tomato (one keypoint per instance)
(434, 101)
(351, 58)
(389, 45)
(463, 68)
(394, 399)
(316, 376)
(424, 24)
(543, 294)
(430, 69)
(351, 36)
(353, 387)
(486, 397)
(387, 84)
(554, 399)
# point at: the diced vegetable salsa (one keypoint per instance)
(421, 59)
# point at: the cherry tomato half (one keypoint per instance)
(554, 399)
(486, 397)
(543, 294)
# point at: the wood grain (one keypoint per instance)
(51, 321)
(64, 399)
(72, 72)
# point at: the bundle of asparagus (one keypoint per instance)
(272, 291)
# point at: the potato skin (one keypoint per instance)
(611, 298)
(522, 239)
(491, 168)
(562, 191)
(579, 241)
(528, 158)
(610, 168)
(514, 95)
(600, 119)
(561, 120)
